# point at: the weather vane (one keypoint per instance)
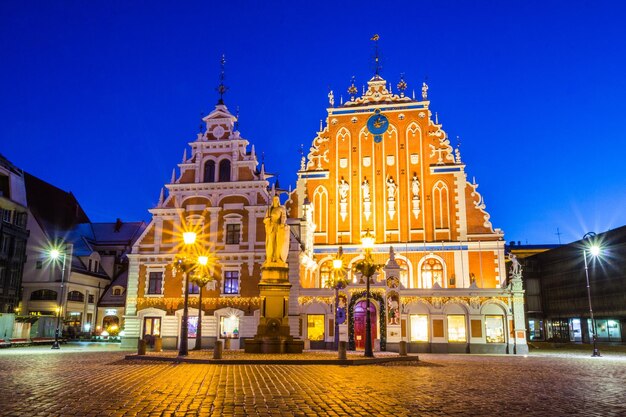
(221, 89)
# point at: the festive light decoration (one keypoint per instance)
(382, 321)
(171, 304)
(308, 300)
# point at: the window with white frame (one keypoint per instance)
(456, 328)
(233, 233)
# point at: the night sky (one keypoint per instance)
(100, 98)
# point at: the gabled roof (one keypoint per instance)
(54, 209)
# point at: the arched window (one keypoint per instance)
(432, 272)
(43, 295)
(404, 272)
(76, 296)
(224, 174)
(441, 206)
(320, 209)
(325, 270)
(209, 171)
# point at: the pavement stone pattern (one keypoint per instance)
(84, 382)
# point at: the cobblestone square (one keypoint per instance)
(89, 382)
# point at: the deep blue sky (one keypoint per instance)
(100, 98)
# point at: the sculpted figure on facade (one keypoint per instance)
(415, 186)
(365, 188)
(276, 233)
(391, 189)
(344, 187)
(516, 268)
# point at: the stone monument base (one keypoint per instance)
(272, 334)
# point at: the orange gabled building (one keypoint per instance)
(383, 163)
(220, 194)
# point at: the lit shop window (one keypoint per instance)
(152, 326)
(494, 329)
(456, 328)
(229, 327)
(315, 327)
(419, 328)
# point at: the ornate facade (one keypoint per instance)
(219, 193)
(383, 163)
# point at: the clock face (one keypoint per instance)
(377, 124)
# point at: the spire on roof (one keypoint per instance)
(161, 197)
(173, 180)
(375, 38)
(221, 88)
(185, 155)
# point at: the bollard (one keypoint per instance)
(141, 347)
(158, 344)
(342, 351)
(217, 350)
(402, 348)
(227, 344)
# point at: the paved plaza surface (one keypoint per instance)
(92, 380)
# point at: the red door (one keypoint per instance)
(359, 324)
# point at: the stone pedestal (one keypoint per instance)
(273, 331)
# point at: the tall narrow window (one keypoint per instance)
(224, 174)
(193, 288)
(233, 232)
(231, 282)
(320, 207)
(209, 171)
(441, 206)
(155, 282)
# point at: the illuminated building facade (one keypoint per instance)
(383, 163)
(218, 193)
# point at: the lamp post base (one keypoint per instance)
(56, 345)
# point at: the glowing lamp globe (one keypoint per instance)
(367, 241)
(594, 250)
(189, 238)
(337, 263)
(203, 260)
(54, 254)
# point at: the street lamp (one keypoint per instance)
(337, 281)
(367, 268)
(54, 255)
(185, 264)
(202, 278)
(594, 249)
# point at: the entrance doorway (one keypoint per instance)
(359, 324)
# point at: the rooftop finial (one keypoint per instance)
(221, 88)
(402, 85)
(375, 38)
(237, 119)
(352, 90)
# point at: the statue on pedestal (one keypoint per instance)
(276, 233)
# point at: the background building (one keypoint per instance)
(556, 284)
(13, 238)
(91, 256)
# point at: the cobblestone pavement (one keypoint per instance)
(83, 382)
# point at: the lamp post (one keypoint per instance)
(337, 282)
(594, 250)
(185, 264)
(54, 255)
(367, 268)
(202, 278)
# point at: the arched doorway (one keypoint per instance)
(110, 323)
(359, 324)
